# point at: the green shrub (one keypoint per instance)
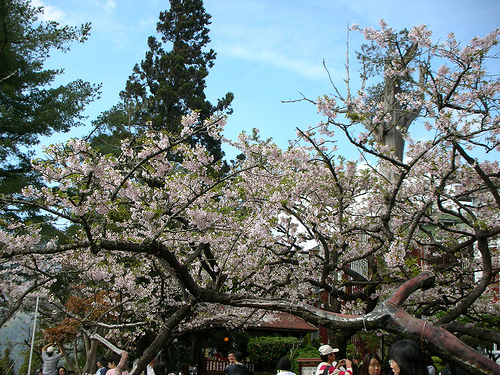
(267, 350)
(307, 351)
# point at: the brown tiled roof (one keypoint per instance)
(288, 322)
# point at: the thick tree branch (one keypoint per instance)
(387, 316)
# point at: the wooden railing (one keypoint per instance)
(212, 366)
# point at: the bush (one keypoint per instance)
(308, 351)
(267, 350)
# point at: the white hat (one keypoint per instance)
(50, 350)
(327, 349)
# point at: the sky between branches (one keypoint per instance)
(268, 51)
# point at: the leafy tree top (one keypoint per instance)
(170, 83)
(29, 106)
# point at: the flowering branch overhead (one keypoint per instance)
(164, 228)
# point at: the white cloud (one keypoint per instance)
(284, 37)
(50, 12)
(109, 5)
(276, 58)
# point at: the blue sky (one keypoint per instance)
(268, 51)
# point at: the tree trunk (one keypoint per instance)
(162, 337)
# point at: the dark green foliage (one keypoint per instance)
(6, 364)
(113, 126)
(168, 84)
(36, 363)
(307, 350)
(236, 340)
(267, 350)
(29, 107)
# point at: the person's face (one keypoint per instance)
(230, 357)
(331, 357)
(374, 367)
(62, 371)
(99, 364)
(394, 366)
(111, 365)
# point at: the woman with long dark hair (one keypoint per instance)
(406, 358)
(372, 364)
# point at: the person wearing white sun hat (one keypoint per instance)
(50, 360)
(328, 366)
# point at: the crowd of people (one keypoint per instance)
(50, 359)
(405, 358)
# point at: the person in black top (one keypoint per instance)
(237, 368)
(101, 365)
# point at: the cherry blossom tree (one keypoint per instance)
(177, 246)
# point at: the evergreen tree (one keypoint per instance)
(29, 107)
(168, 84)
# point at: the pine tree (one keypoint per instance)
(29, 106)
(168, 84)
